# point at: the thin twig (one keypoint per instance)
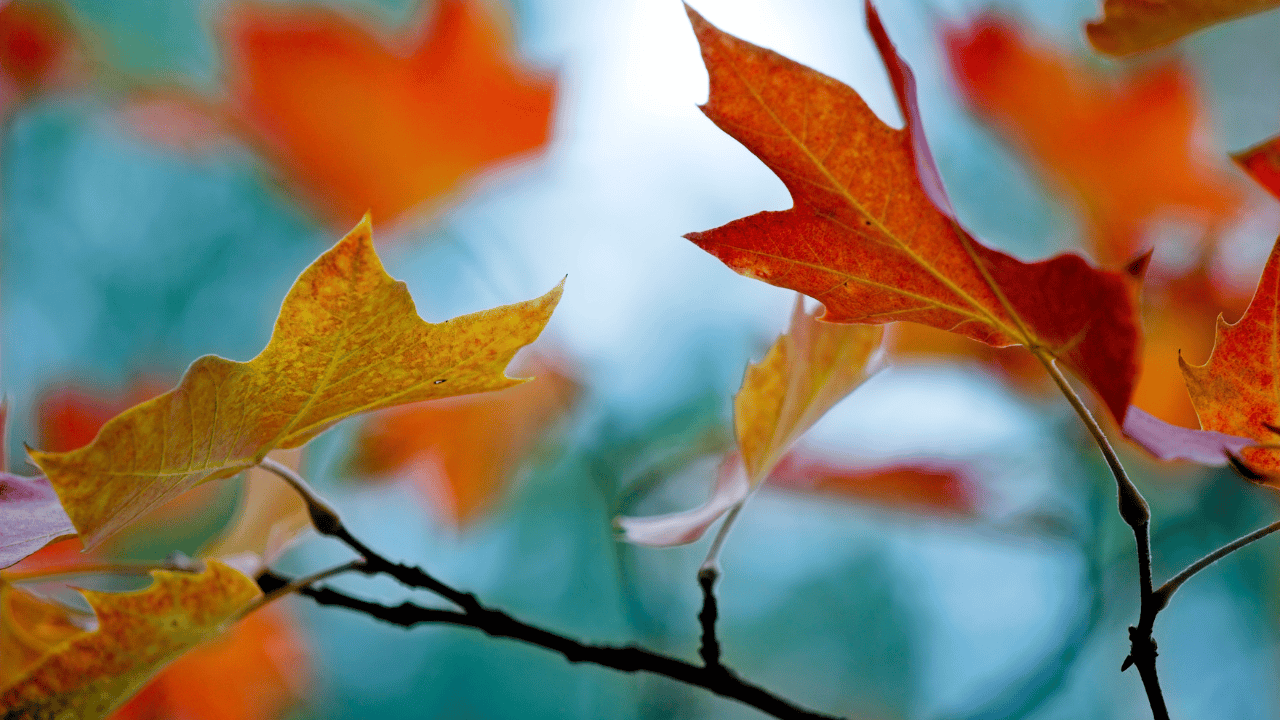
(628, 658)
(1167, 589)
(292, 586)
(327, 521)
(709, 650)
(1137, 515)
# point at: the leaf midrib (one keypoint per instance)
(983, 314)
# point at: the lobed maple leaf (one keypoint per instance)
(802, 376)
(1236, 391)
(871, 235)
(1131, 26)
(87, 675)
(462, 451)
(357, 122)
(1127, 151)
(348, 340)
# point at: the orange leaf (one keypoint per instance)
(91, 673)
(1127, 152)
(1262, 162)
(69, 416)
(805, 373)
(870, 235)
(1235, 391)
(462, 451)
(31, 627)
(1130, 26)
(360, 123)
(919, 486)
(256, 671)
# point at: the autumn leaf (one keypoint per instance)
(359, 122)
(256, 670)
(1262, 162)
(870, 235)
(461, 452)
(1235, 391)
(937, 486)
(30, 517)
(68, 415)
(89, 674)
(1131, 26)
(1127, 151)
(802, 376)
(35, 39)
(348, 340)
(30, 628)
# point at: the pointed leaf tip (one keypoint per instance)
(871, 233)
(348, 340)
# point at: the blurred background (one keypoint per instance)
(943, 545)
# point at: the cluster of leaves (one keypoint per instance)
(872, 236)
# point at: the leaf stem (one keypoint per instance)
(327, 521)
(1169, 588)
(1137, 515)
(290, 587)
(709, 650)
(628, 658)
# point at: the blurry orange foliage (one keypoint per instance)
(34, 37)
(930, 486)
(69, 416)
(1126, 150)
(256, 671)
(462, 451)
(360, 122)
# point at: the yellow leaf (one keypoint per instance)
(348, 340)
(90, 674)
(30, 627)
(805, 373)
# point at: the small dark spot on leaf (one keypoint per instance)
(437, 382)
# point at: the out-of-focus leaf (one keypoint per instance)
(462, 452)
(90, 674)
(1126, 152)
(348, 340)
(35, 39)
(1131, 26)
(257, 670)
(928, 486)
(269, 518)
(871, 234)
(361, 123)
(30, 517)
(69, 415)
(808, 370)
(681, 528)
(30, 628)
(1234, 392)
(805, 373)
(1262, 162)
(1175, 442)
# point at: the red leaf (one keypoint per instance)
(871, 235)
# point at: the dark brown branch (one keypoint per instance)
(1137, 515)
(628, 658)
(710, 648)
